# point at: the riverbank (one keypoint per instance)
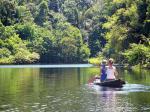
(94, 61)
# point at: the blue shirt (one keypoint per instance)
(103, 72)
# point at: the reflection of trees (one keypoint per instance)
(17, 84)
(30, 85)
(60, 77)
(137, 99)
(140, 100)
(67, 77)
(137, 76)
(87, 73)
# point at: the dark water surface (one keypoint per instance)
(58, 89)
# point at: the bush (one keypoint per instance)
(24, 56)
(138, 53)
(95, 61)
(4, 52)
(6, 60)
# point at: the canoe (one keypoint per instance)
(111, 83)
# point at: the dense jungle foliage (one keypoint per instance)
(71, 31)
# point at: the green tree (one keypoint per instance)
(138, 53)
(42, 14)
(7, 12)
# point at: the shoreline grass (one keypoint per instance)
(94, 61)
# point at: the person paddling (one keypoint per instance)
(111, 70)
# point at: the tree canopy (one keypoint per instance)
(71, 31)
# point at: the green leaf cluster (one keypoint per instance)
(127, 31)
(35, 31)
(69, 31)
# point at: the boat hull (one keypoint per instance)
(111, 83)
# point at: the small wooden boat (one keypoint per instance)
(111, 83)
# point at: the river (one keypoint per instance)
(65, 88)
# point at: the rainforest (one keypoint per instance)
(74, 31)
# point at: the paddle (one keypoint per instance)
(91, 80)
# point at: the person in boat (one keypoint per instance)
(111, 70)
(103, 71)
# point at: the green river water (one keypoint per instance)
(65, 88)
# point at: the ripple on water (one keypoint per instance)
(6, 107)
(127, 88)
(9, 109)
(136, 88)
(104, 99)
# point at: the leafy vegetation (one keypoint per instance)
(71, 31)
(33, 32)
(127, 31)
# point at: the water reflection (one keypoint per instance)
(136, 76)
(65, 89)
(119, 99)
(108, 100)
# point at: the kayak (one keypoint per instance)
(111, 83)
